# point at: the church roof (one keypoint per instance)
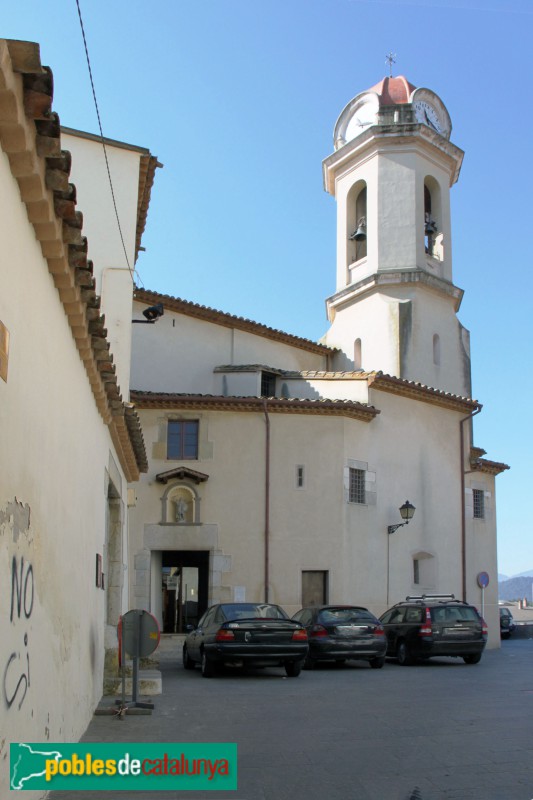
(229, 320)
(478, 464)
(339, 408)
(393, 91)
(378, 380)
(419, 391)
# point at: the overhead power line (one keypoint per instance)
(103, 142)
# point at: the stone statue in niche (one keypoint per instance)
(181, 510)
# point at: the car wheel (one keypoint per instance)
(208, 668)
(505, 635)
(309, 663)
(293, 668)
(377, 663)
(188, 663)
(474, 659)
(403, 655)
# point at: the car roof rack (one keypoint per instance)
(422, 597)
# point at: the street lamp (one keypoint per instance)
(407, 512)
(151, 314)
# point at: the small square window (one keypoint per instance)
(356, 486)
(182, 439)
(479, 503)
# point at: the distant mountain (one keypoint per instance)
(528, 574)
(502, 577)
(516, 588)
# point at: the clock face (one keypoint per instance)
(427, 115)
(364, 116)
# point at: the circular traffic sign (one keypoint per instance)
(141, 633)
(483, 579)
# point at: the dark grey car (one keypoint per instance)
(434, 625)
(341, 633)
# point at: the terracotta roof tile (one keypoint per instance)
(30, 135)
(169, 400)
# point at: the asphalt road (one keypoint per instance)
(442, 729)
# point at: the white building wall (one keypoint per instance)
(178, 353)
(55, 461)
(410, 451)
(113, 256)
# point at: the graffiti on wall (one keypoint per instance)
(16, 677)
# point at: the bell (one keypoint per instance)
(430, 226)
(359, 235)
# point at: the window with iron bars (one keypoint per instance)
(268, 384)
(478, 496)
(356, 486)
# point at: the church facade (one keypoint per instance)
(277, 465)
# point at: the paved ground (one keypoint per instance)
(436, 731)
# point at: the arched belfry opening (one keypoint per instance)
(357, 221)
(433, 237)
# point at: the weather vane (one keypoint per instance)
(390, 59)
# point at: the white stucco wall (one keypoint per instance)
(113, 272)
(178, 353)
(55, 461)
(410, 451)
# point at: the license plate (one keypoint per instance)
(350, 630)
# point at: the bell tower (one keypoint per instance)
(395, 304)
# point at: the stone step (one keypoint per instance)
(150, 683)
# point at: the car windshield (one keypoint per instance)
(344, 615)
(253, 610)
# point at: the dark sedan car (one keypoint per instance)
(339, 633)
(246, 634)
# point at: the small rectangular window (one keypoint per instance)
(479, 503)
(300, 476)
(416, 570)
(268, 384)
(356, 486)
(182, 439)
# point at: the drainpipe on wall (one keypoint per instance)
(267, 498)
(463, 504)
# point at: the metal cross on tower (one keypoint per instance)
(390, 59)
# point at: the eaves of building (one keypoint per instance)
(30, 136)
(274, 405)
(207, 314)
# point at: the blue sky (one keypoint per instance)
(238, 99)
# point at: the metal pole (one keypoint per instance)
(123, 664)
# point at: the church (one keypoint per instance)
(163, 455)
(339, 471)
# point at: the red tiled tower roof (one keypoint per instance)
(393, 91)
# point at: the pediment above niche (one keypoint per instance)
(182, 473)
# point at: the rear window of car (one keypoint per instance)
(253, 610)
(344, 615)
(454, 614)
